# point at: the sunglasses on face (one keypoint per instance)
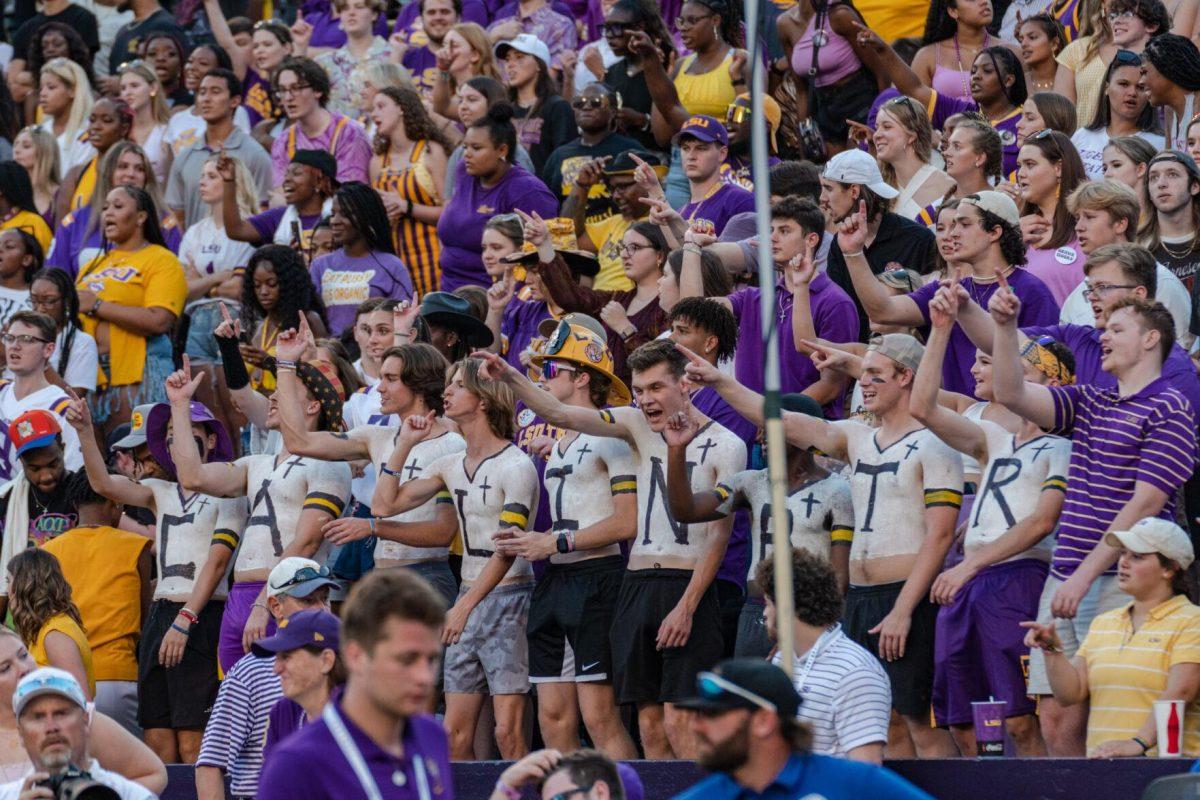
(737, 114)
(593, 102)
(551, 370)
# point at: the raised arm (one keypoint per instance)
(499, 295)
(224, 37)
(237, 379)
(220, 479)
(800, 429)
(392, 495)
(1029, 400)
(668, 114)
(117, 488)
(691, 276)
(887, 62)
(231, 214)
(880, 305)
(954, 429)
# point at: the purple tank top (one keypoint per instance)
(836, 59)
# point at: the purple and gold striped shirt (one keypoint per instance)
(1117, 441)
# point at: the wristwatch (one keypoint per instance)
(563, 544)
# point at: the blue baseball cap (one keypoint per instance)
(44, 681)
(35, 428)
(314, 627)
(705, 129)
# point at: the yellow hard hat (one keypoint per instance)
(579, 345)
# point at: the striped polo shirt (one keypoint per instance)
(1127, 669)
(1115, 442)
(233, 739)
(845, 694)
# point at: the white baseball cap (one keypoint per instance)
(1154, 535)
(997, 203)
(855, 166)
(47, 680)
(298, 577)
(524, 43)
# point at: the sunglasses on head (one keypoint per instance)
(1126, 58)
(303, 574)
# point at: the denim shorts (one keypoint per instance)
(201, 345)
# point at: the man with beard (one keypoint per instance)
(421, 29)
(748, 734)
(736, 168)
(853, 183)
(595, 115)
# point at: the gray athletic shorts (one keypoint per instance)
(1104, 595)
(492, 655)
(752, 638)
(439, 576)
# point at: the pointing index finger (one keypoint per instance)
(1000, 276)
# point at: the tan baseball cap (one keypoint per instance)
(996, 203)
(1154, 535)
(905, 350)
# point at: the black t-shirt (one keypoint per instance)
(636, 95)
(552, 126)
(73, 16)
(565, 162)
(49, 515)
(129, 39)
(900, 242)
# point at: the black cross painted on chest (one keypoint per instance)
(198, 500)
(1041, 448)
(485, 486)
(911, 448)
(296, 461)
(809, 502)
(708, 445)
(583, 451)
(412, 468)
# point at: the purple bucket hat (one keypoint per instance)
(156, 434)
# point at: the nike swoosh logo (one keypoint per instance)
(586, 667)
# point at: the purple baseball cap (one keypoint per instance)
(314, 627)
(156, 434)
(704, 128)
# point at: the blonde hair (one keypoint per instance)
(499, 401)
(477, 39)
(47, 167)
(383, 74)
(158, 96)
(910, 116)
(246, 194)
(76, 80)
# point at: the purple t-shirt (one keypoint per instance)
(267, 223)
(460, 227)
(343, 137)
(519, 325)
(941, 107)
(737, 555)
(1117, 441)
(1084, 342)
(408, 21)
(718, 207)
(1061, 269)
(422, 63)
(285, 718)
(326, 30)
(1037, 308)
(311, 764)
(344, 282)
(834, 317)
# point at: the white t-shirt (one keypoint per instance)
(72, 150)
(12, 301)
(1076, 310)
(82, 363)
(209, 251)
(186, 127)
(125, 788)
(1091, 144)
(846, 696)
(50, 398)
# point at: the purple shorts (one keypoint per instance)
(980, 647)
(238, 606)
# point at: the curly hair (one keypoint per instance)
(1177, 58)
(295, 287)
(711, 317)
(1012, 245)
(38, 592)
(814, 588)
(77, 49)
(306, 71)
(417, 124)
(70, 306)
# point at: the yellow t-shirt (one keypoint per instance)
(32, 224)
(1127, 669)
(1089, 78)
(148, 278)
(607, 235)
(64, 624)
(101, 564)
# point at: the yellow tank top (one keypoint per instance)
(64, 624)
(708, 93)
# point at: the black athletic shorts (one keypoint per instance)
(646, 674)
(911, 676)
(573, 604)
(181, 697)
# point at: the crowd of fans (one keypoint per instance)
(296, 299)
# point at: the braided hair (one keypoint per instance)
(1006, 63)
(362, 206)
(71, 323)
(730, 16)
(1177, 58)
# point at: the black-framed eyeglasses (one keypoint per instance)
(688, 22)
(633, 248)
(570, 793)
(594, 102)
(21, 339)
(293, 90)
(44, 301)
(301, 576)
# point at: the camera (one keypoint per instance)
(76, 784)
